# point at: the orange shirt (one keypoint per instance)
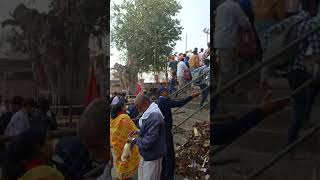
(273, 10)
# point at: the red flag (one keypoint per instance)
(139, 89)
(92, 91)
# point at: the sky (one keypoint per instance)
(194, 16)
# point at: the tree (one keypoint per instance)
(146, 30)
(59, 40)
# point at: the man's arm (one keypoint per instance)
(179, 103)
(152, 135)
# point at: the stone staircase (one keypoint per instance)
(183, 113)
(256, 147)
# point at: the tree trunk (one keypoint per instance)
(132, 74)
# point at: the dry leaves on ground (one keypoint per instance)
(192, 158)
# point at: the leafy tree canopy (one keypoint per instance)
(146, 30)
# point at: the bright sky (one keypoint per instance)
(194, 16)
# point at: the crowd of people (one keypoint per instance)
(149, 135)
(29, 152)
(188, 66)
(20, 114)
(25, 123)
(270, 26)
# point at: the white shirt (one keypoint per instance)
(181, 68)
(18, 124)
(115, 100)
(229, 16)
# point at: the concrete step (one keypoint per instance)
(187, 127)
(267, 141)
(185, 112)
(255, 96)
(276, 121)
(285, 169)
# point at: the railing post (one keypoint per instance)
(70, 115)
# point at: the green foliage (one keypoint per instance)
(146, 30)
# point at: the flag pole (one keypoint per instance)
(186, 42)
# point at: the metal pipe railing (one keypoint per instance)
(293, 93)
(260, 65)
(184, 121)
(200, 92)
(282, 153)
(189, 83)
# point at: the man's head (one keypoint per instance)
(163, 91)
(310, 6)
(180, 57)
(29, 105)
(195, 51)
(142, 102)
(93, 129)
(16, 103)
(201, 50)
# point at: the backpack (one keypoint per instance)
(71, 158)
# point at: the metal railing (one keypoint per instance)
(254, 69)
(70, 112)
(189, 83)
(260, 65)
(282, 153)
(190, 116)
(294, 93)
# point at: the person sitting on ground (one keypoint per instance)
(14, 106)
(120, 127)
(20, 121)
(28, 157)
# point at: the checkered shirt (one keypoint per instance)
(310, 44)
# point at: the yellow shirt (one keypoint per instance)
(120, 128)
(268, 10)
(194, 61)
(42, 173)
